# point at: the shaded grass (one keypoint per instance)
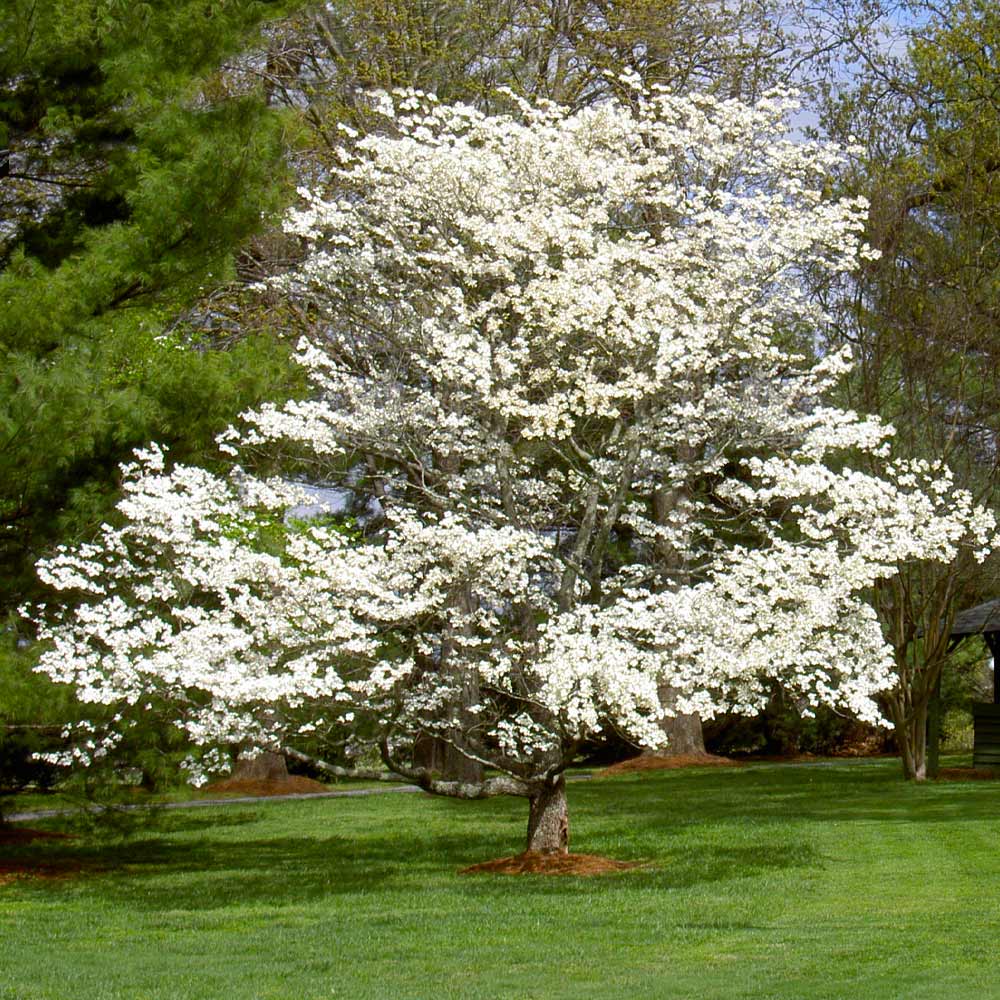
(766, 882)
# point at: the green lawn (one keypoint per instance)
(768, 881)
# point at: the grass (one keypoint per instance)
(771, 881)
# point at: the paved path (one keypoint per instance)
(199, 803)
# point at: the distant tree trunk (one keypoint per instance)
(548, 819)
(910, 608)
(683, 732)
(265, 766)
(437, 754)
(911, 739)
(434, 754)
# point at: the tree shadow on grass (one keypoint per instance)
(692, 829)
(175, 870)
(206, 874)
(203, 862)
(160, 874)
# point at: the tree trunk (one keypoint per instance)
(548, 819)
(683, 732)
(266, 766)
(913, 747)
(438, 755)
(440, 758)
(911, 738)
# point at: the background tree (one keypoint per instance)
(921, 319)
(32, 717)
(133, 169)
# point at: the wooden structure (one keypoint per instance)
(984, 620)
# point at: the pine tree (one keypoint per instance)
(135, 165)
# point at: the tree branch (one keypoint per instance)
(486, 789)
(365, 773)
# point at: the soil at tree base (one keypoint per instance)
(661, 762)
(26, 867)
(10, 871)
(292, 785)
(25, 834)
(537, 863)
(968, 774)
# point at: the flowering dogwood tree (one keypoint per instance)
(569, 355)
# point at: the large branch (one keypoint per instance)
(611, 516)
(945, 184)
(574, 563)
(486, 789)
(365, 773)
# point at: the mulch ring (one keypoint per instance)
(536, 863)
(294, 785)
(12, 869)
(968, 774)
(661, 762)
(25, 834)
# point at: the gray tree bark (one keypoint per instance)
(264, 766)
(911, 739)
(683, 732)
(437, 756)
(548, 819)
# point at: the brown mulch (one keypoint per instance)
(536, 863)
(294, 785)
(968, 774)
(658, 762)
(12, 869)
(25, 834)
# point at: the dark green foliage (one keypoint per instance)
(67, 425)
(138, 167)
(33, 711)
(781, 730)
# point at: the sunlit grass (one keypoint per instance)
(764, 882)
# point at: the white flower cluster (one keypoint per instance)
(559, 350)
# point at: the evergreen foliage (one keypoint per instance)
(32, 712)
(136, 166)
(135, 163)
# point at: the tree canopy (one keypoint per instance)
(530, 325)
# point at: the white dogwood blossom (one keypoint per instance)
(570, 356)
